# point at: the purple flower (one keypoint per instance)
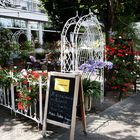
(109, 64)
(91, 62)
(92, 65)
(92, 68)
(100, 64)
(84, 67)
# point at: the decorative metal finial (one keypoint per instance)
(89, 10)
(77, 13)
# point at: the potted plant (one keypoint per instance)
(91, 90)
(91, 86)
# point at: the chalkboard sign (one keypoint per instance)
(61, 101)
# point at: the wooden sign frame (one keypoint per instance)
(78, 93)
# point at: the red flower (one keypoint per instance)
(26, 76)
(111, 53)
(126, 84)
(20, 106)
(111, 40)
(35, 74)
(25, 82)
(19, 96)
(120, 51)
(120, 55)
(129, 52)
(118, 45)
(107, 48)
(114, 87)
(29, 88)
(124, 47)
(43, 73)
(28, 98)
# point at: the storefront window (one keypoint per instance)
(19, 23)
(8, 22)
(32, 5)
(34, 25)
(5, 22)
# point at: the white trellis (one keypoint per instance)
(86, 42)
(67, 60)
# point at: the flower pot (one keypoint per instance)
(88, 103)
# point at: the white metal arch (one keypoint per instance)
(67, 61)
(17, 34)
(88, 36)
(85, 42)
(88, 44)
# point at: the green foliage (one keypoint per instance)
(7, 48)
(25, 49)
(60, 11)
(108, 12)
(125, 27)
(11, 50)
(5, 79)
(91, 88)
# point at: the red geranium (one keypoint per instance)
(25, 82)
(28, 98)
(20, 106)
(35, 74)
